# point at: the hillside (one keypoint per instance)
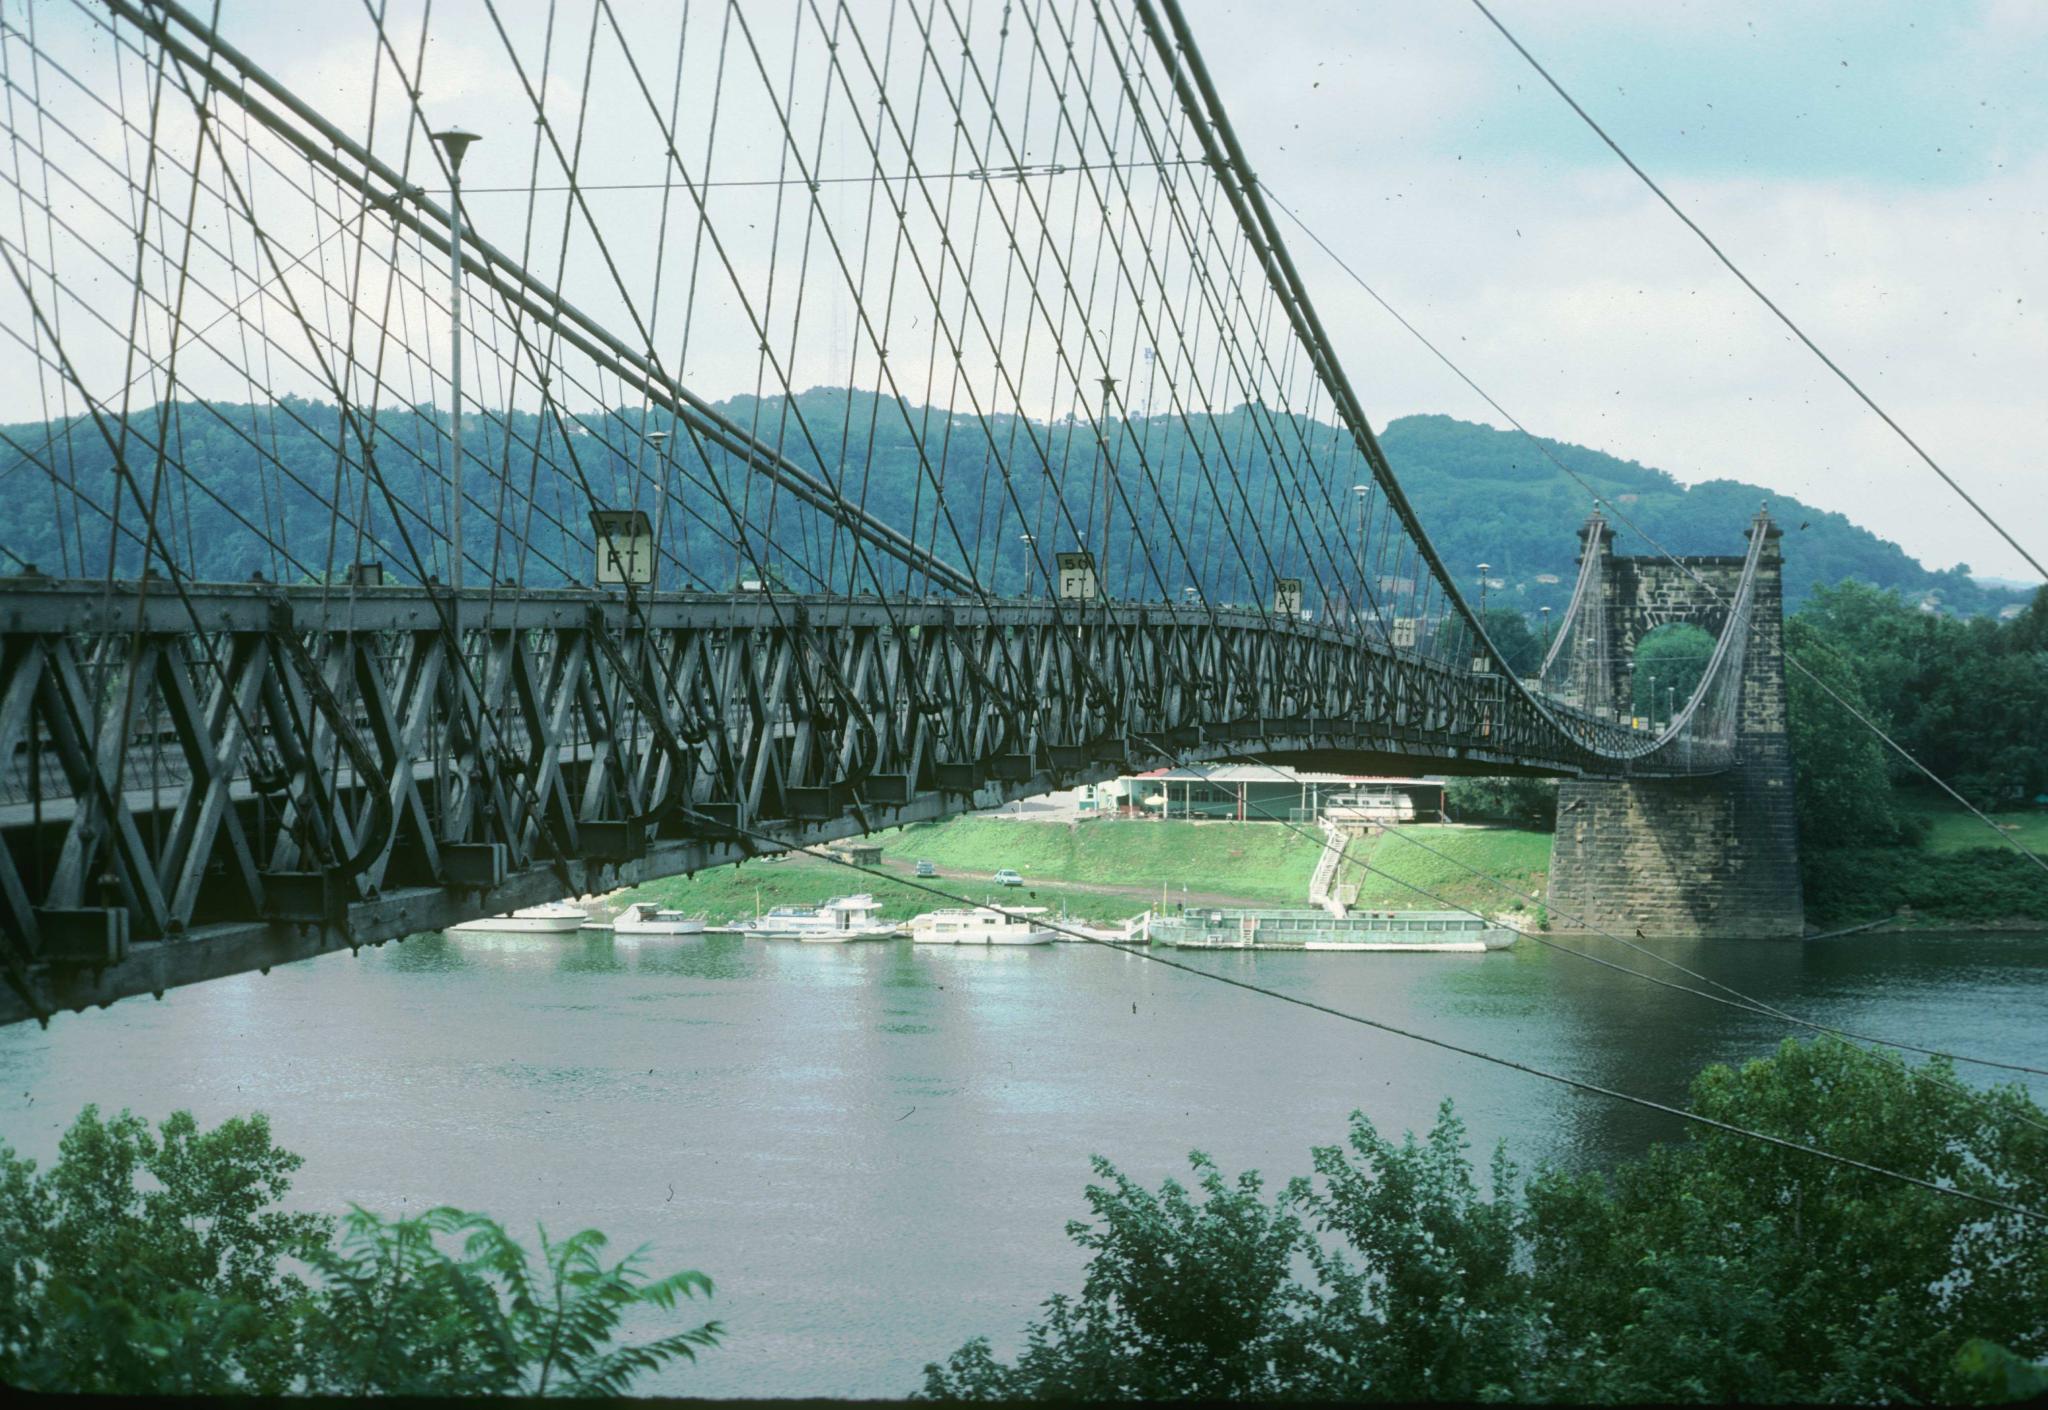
(1484, 495)
(1488, 496)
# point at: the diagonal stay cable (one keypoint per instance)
(1544, 449)
(1764, 298)
(1739, 999)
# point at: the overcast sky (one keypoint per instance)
(1879, 168)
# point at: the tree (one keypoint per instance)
(448, 1304)
(1669, 663)
(1183, 1298)
(1717, 1268)
(1964, 698)
(1520, 647)
(1842, 787)
(145, 1263)
(109, 1286)
(1528, 802)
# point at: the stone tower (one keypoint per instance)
(1716, 856)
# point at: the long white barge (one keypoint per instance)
(1224, 928)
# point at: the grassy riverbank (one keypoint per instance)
(727, 894)
(1261, 862)
(1452, 863)
(1108, 869)
(1950, 829)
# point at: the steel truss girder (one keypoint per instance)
(178, 805)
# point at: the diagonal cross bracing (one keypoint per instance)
(1038, 460)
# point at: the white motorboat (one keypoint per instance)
(554, 918)
(650, 918)
(843, 918)
(981, 925)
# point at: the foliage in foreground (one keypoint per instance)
(1720, 1268)
(157, 1263)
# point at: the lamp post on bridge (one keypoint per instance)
(1483, 570)
(1108, 469)
(659, 439)
(1359, 493)
(1653, 700)
(453, 142)
(1027, 540)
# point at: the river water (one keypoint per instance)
(873, 1148)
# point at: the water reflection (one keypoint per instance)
(874, 1147)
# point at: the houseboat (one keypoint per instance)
(981, 925)
(843, 918)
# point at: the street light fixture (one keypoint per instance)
(1483, 568)
(453, 142)
(1359, 494)
(657, 439)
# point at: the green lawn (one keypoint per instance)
(1518, 857)
(1258, 861)
(1954, 830)
(728, 893)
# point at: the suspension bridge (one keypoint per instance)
(380, 560)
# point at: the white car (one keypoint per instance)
(1008, 877)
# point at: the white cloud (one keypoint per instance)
(1551, 275)
(1593, 315)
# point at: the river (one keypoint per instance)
(873, 1148)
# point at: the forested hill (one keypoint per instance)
(1483, 495)
(1489, 496)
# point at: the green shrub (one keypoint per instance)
(1846, 886)
(156, 1264)
(1720, 1268)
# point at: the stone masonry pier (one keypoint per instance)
(1715, 856)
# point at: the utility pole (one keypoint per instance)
(453, 143)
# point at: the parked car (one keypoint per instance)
(1008, 877)
(925, 868)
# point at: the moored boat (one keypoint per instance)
(841, 919)
(554, 918)
(981, 925)
(650, 918)
(1222, 928)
